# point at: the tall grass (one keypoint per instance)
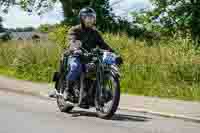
(31, 61)
(169, 69)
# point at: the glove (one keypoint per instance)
(77, 52)
(119, 60)
(66, 53)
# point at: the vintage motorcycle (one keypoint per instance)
(100, 78)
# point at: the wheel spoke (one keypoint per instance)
(108, 87)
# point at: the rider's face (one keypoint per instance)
(89, 20)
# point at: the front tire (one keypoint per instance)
(114, 101)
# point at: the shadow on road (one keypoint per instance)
(116, 117)
(125, 117)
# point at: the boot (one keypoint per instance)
(83, 101)
(68, 91)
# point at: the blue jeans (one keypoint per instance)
(75, 68)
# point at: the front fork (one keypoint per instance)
(99, 88)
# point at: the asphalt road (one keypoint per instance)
(28, 114)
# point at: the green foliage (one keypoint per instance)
(59, 35)
(4, 35)
(163, 70)
(1, 26)
(179, 15)
(106, 20)
(45, 28)
(7, 54)
(30, 61)
(7, 71)
(169, 69)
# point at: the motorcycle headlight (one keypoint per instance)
(109, 58)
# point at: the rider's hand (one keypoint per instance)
(66, 52)
(119, 60)
(77, 52)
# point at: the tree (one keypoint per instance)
(1, 26)
(107, 21)
(4, 34)
(70, 9)
(182, 15)
(28, 29)
(19, 30)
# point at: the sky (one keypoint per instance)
(18, 18)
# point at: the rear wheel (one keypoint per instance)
(63, 105)
(111, 99)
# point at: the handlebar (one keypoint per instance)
(94, 51)
(98, 51)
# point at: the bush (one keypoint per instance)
(8, 52)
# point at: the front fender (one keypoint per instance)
(115, 71)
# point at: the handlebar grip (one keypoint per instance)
(88, 54)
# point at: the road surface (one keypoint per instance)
(28, 114)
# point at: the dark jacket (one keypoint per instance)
(89, 38)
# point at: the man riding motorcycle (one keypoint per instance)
(82, 36)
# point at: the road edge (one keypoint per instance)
(162, 114)
(140, 110)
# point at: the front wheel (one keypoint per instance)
(111, 98)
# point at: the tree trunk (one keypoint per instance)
(67, 8)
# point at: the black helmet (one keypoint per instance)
(87, 16)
